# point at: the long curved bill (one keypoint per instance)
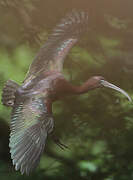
(112, 86)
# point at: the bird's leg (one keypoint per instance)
(58, 142)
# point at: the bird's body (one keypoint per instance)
(32, 119)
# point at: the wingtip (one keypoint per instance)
(73, 24)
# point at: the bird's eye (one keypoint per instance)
(101, 81)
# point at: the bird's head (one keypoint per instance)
(99, 81)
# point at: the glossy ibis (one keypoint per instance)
(31, 119)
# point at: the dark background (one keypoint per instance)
(97, 126)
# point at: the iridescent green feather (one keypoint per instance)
(30, 125)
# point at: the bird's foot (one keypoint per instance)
(58, 142)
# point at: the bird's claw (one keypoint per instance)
(61, 145)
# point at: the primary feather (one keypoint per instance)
(65, 35)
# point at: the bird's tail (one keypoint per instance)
(8, 94)
(72, 26)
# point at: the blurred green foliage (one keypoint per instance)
(97, 126)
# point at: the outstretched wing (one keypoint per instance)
(30, 125)
(64, 36)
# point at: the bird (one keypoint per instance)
(31, 102)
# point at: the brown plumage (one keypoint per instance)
(31, 119)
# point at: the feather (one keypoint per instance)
(8, 95)
(64, 36)
(28, 136)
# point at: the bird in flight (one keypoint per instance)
(31, 103)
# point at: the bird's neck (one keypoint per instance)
(85, 87)
(66, 88)
(62, 87)
(82, 89)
